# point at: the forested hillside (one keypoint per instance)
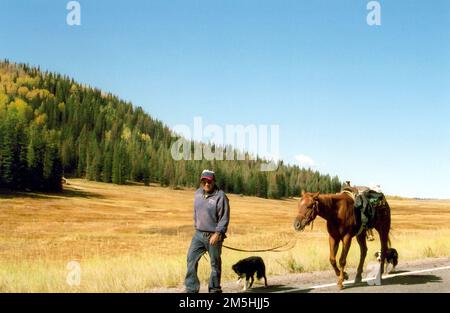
(51, 126)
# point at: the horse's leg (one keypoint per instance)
(334, 245)
(363, 248)
(384, 238)
(346, 241)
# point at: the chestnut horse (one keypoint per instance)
(343, 224)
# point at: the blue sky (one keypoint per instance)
(370, 104)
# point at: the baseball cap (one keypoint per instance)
(208, 175)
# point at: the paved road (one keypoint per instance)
(425, 276)
(429, 275)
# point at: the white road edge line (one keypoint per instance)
(372, 278)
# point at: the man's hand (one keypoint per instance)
(214, 239)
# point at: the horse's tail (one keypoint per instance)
(389, 237)
(388, 209)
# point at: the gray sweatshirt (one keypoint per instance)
(211, 211)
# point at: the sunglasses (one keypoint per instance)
(205, 182)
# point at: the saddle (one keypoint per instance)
(366, 203)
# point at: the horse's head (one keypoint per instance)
(308, 208)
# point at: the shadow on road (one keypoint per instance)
(402, 280)
(277, 288)
(397, 280)
(412, 280)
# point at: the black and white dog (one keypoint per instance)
(247, 268)
(391, 258)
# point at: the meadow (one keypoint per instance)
(133, 238)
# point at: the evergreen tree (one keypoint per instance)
(119, 167)
(68, 156)
(239, 184)
(8, 152)
(52, 169)
(35, 158)
(261, 185)
(273, 191)
(146, 170)
(107, 165)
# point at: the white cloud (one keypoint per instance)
(305, 161)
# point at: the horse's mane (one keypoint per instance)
(334, 196)
(331, 200)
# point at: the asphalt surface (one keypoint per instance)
(418, 276)
(424, 277)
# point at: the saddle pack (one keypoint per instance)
(366, 204)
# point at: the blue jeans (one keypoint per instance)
(199, 246)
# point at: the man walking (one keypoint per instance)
(211, 218)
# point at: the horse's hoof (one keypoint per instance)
(358, 279)
(340, 283)
(345, 276)
(378, 281)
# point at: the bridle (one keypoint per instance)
(307, 214)
(314, 212)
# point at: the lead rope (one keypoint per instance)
(274, 249)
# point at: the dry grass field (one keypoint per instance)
(134, 238)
